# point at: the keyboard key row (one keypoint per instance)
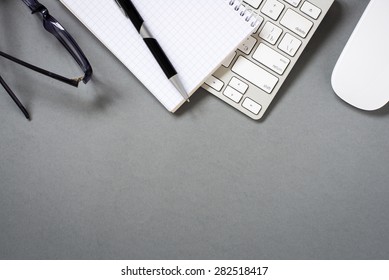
(291, 20)
(248, 103)
(234, 91)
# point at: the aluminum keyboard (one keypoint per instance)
(250, 78)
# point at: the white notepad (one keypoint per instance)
(196, 35)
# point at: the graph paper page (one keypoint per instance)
(196, 36)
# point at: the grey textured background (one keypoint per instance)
(104, 172)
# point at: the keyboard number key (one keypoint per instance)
(290, 44)
(252, 106)
(273, 9)
(214, 83)
(233, 94)
(310, 10)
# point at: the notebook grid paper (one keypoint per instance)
(196, 36)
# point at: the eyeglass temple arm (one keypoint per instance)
(14, 98)
(72, 82)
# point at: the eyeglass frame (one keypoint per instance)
(56, 29)
(52, 26)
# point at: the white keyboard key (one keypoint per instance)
(255, 74)
(310, 10)
(273, 9)
(270, 33)
(248, 45)
(233, 94)
(296, 23)
(289, 44)
(294, 3)
(253, 3)
(271, 59)
(238, 85)
(252, 106)
(228, 60)
(214, 83)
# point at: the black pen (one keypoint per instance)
(130, 11)
(14, 98)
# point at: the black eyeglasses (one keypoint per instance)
(55, 28)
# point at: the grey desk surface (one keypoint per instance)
(104, 172)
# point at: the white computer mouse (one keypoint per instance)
(361, 75)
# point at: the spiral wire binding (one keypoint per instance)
(250, 15)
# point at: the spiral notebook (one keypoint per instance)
(197, 35)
